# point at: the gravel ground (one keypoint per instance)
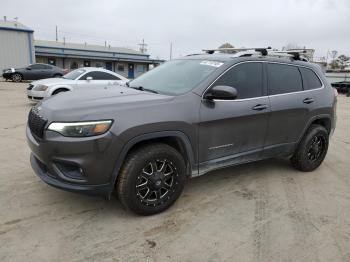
(264, 211)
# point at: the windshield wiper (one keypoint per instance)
(141, 88)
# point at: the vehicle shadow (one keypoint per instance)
(229, 179)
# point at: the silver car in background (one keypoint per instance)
(82, 78)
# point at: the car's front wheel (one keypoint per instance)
(151, 179)
(17, 77)
(312, 149)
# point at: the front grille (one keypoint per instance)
(36, 123)
(30, 87)
(35, 97)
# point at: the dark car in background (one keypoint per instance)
(33, 72)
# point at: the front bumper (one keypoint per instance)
(75, 164)
(41, 171)
(36, 95)
(7, 75)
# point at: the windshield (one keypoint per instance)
(176, 77)
(74, 74)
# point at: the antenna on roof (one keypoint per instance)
(262, 50)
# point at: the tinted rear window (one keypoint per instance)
(310, 79)
(283, 79)
(246, 78)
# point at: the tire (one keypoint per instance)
(144, 191)
(60, 90)
(312, 149)
(57, 76)
(16, 77)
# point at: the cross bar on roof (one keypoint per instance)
(262, 50)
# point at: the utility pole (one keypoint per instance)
(56, 34)
(171, 51)
(143, 46)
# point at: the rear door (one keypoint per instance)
(234, 130)
(290, 108)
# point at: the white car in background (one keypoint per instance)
(79, 79)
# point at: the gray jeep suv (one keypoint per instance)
(182, 119)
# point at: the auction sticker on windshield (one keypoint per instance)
(212, 63)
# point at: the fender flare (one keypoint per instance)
(54, 88)
(312, 119)
(149, 136)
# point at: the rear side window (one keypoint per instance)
(310, 79)
(283, 79)
(246, 78)
(97, 75)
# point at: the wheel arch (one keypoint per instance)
(322, 120)
(19, 73)
(175, 139)
(55, 88)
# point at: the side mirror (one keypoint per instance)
(89, 78)
(28, 68)
(221, 93)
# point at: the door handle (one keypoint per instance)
(260, 107)
(308, 100)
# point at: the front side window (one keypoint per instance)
(310, 79)
(246, 78)
(96, 75)
(74, 74)
(176, 76)
(283, 79)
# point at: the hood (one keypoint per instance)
(91, 104)
(53, 81)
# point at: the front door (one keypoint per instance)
(131, 70)
(232, 131)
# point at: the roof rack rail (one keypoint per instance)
(262, 50)
(294, 54)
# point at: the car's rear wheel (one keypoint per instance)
(17, 77)
(151, 179)
(312, 149)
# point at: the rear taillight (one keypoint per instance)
(335, 92)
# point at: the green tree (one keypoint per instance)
(334, 63)
(342, 59)
(227, 45)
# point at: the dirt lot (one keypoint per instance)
(263, 211)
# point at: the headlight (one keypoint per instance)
(40, 88)
(81, 129)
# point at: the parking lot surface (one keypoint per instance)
(264, 211)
